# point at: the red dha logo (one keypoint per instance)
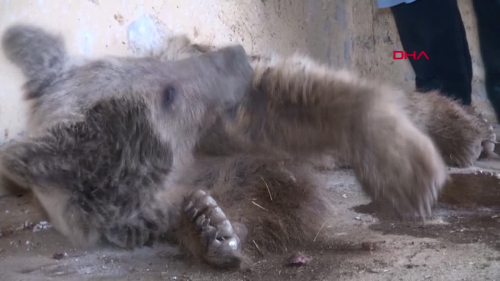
(403, 55)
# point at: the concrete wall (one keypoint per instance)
(345, 33)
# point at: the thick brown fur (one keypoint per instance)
(460, 133)
(127, 150)
(302, 106)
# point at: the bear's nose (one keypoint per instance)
(234, 75)
(232, 60)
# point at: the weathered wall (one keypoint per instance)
(345, 33)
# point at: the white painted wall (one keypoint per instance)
(118, 27)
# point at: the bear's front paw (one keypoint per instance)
(216, 233)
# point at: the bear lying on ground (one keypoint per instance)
(188, 145)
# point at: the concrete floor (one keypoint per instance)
(461, 242)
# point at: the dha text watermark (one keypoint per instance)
(404, 55)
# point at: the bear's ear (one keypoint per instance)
(40, 55)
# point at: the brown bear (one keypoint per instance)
(461, 133)
(188, 145)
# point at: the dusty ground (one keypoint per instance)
(461, 242)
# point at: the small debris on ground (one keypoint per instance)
(59, 256)
(370, 246)
(299, 259)
(25, 226)
(41, 226)
(375, 270)
(7, 232)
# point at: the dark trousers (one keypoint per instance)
(436, 28)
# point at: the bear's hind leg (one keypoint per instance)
(262, 205)
(460, 133)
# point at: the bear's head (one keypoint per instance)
(180, 98)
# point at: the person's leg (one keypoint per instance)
(488, 24)
(436, 28)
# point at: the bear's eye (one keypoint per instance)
(168, 96)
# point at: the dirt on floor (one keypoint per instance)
(460, 242)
